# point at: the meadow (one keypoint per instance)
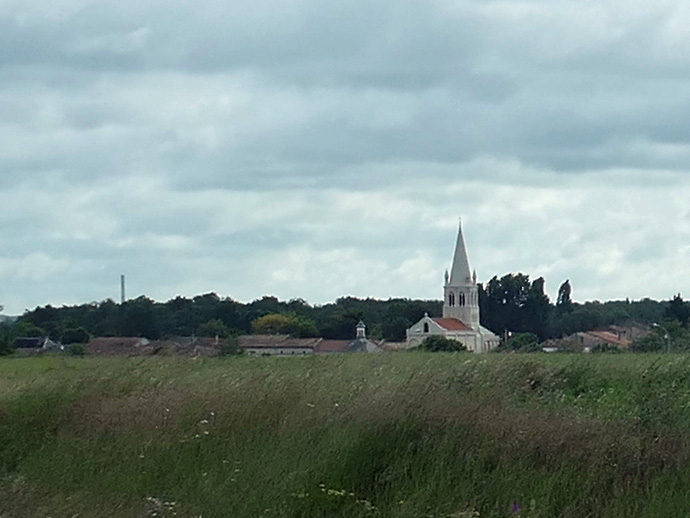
(395, 435)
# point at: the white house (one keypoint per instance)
(460, 319)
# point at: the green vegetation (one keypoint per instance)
(523, 342)
(511, 303)
(398, 435)
(76, 349)
(439, 343)
(281, 323)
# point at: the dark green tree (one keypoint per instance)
(564, 301)
(439, 343)
(213, 328)
(524, 342)
(537, 310)
(5, 341)
(75, 335)
(679, 310)
(27, 329)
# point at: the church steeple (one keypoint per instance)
(461, 299)
(460, 272)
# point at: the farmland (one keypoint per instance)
(399, 435)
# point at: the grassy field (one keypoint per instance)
(399, 435)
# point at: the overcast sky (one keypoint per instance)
(313, 149)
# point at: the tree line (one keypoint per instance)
(510, 303)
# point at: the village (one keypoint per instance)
(459, 321)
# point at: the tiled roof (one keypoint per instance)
(116, 341)
(332, 346)
(117, 345)
(610, 338)
(280, 341)
(451, 324)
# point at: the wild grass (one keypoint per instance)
(399, 435)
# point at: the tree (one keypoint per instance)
(524, 342)
(5, 343)
(537, 310)
(278, 323)
(213, 328)
(439, 343)
(564, 302)
(27, 329)
(231, 347)
(138, 318)
(679, 310)
(650, 343)
(75, 335)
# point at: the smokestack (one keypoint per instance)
(122, 289)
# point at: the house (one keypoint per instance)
(460, 320)
(118, 345)
(587, 340)
(277, 345)
(361, 344)
(611, 336)
(284, 345)
(188, 346)
(43, 342)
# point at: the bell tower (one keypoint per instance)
(460, 294)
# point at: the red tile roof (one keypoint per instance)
(610, 338)
(451, 324)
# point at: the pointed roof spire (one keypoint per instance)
(460, 271)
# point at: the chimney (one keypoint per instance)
(122, 289)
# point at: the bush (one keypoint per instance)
(438, 343)
(524, 342)
(231, 347)
(650, 343)
(5, 346)
(76, 350)
(213, 328)
(75, 335)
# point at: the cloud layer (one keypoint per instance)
(314, 150)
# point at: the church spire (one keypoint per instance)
(460, 272)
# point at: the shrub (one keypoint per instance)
(650, 343)
(75, 335)
(76, 350)
(524, 342)
(212, 328)
(231, 347)
(5, 346)
(438, 343)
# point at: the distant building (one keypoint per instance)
(620, 337)
(118, 345)
(277, 345)
(43, 342)
(284, 345)
(361, 344)
(460, 320)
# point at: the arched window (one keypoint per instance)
(462, 299)
(426, 327)
(451, 299)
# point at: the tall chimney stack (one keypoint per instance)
(122, 289)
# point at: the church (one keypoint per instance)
(460, 319)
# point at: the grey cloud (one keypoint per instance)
(236, 141)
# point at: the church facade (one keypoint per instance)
(460, 320)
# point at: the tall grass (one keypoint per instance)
(399, 435)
